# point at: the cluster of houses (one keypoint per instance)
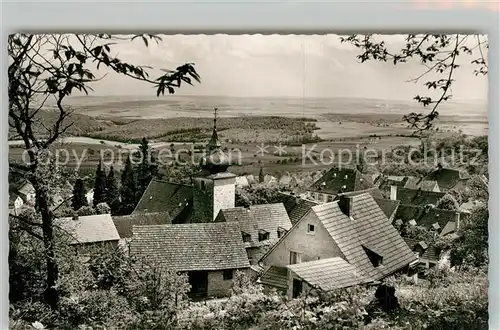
(341, 232)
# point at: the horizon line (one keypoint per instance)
(486, 101)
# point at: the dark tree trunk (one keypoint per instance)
(51, 296)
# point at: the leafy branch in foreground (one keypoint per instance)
(55, 66)
(438, 53)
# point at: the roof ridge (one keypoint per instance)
(169, 182)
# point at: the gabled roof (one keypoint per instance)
(89, 229)
(125, 223)
(344, 179)
(25, 188)
(373, 191)
(12, 199)
(163, 196)
(195, 246)
(447, 178)
(425, 216)
(385, 182)
(295, 206)
(275, 276)
(329, 274)
(449, 228)
(418, 183)
(257, 218)
(368, 227)
(418, 197)
(429, 253)
(388, 206)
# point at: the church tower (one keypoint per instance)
(214, 187)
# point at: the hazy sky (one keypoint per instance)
(288, 65)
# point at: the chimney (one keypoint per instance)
(394, 193)
(345, 204)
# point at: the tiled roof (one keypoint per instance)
(300, 210)
(26, 188)
(125, 223)
(386, 182)
(418, 197)
(162, 196)
(430, 253)
(89, 229)
(295, 206)
(196, 246)
(252, 219)
(447, 178)
(425, 216)
(417, 183)
(388, 206)
(275, 276)
(374, 192)
(12, 199)
(329, 274)
(449, 228)
(334, 181)
(368, 226)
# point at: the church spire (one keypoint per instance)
(214, 142)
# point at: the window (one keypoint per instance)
(310, 229)
(295, 258)
(263, 235)
(246, 237)
(227, 274)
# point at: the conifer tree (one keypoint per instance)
(112, 192)
(99, 185)
(261, 175)
(147, 167)
(79, 199)
(128, 189)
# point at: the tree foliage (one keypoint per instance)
(128, 189)
(112, 191)
(55, 66)
(79, 197)
(438, 53)
(470, 248)
(147, 167)
(448, 202)
(261, 175)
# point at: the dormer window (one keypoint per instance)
(281, 232)
(263, 235)
(246, 237)
(375, 258)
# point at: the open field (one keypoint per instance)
(86, 152)
(177, 123)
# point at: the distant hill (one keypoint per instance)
(201, 106)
